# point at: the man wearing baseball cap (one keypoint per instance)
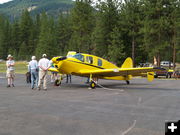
(44, 65)
(10, 71)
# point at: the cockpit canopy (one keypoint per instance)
(79, 56)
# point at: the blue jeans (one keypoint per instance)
(34, 78)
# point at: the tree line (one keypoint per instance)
(114, 30)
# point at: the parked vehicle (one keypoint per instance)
(176, 73)
(146, 64)
(166, 64)
(167, 73)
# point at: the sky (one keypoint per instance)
(4, 1)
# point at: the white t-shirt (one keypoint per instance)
(10, 68)
(44, 62)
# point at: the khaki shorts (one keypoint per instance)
(10, 74)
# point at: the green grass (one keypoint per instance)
(20, 67)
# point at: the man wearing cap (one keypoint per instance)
(10, 71)
(44, 65)
(33, 69)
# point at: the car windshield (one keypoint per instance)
(79, 57)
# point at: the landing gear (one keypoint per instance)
(93, 85)
(57, 82)
(93, 81)
(127, 82)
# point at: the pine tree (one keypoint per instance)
(15, 40)
(107, 20)
(47, 38)
(131, 23)
(63, 34)
(22, 55)
(155, 25)
(173, 16)
(5, 37)
(26, 32)
(116, 49)
(82, 25)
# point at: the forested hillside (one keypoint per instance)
(141, 29)
(14, 9)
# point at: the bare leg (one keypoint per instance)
(9, 81)
(12, 81)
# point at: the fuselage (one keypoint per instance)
(80, 61)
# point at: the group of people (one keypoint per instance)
(38, 72)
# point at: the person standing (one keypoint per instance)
(10, 71)
(68, 78)
(33, 69)
(44, 65)
(53, 74)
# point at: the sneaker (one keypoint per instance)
(45, 89)
(8, 86)
(38, 88)
(13, 85)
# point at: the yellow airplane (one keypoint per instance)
(95, 68)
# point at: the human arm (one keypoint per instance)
(10, 63)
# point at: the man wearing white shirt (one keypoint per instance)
(44, 65)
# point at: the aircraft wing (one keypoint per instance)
(120, 71)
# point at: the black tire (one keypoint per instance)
(155, 76)
(57, 82)
(168, 76)
(93, 85)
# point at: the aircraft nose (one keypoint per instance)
(61, 58)
(56, 60)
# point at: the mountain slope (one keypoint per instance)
(14, 8)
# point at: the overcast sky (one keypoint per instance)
(4, 1)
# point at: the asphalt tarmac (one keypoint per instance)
(141, 108)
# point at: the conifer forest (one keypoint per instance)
(112, 29)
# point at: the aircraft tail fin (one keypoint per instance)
(128, 63)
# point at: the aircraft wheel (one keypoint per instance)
(155, 76)
(128, 82)
(57, 82)
(93, 85)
